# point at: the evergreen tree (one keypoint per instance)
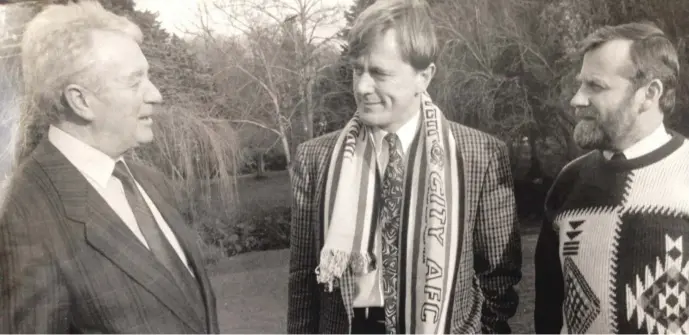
(339, 78)
(351, 15)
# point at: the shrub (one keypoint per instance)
(247, 230)
(274, 159)
(258, 220)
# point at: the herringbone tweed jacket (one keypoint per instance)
(69, 264)
(489, 267)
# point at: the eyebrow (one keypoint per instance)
(372, 67)
(594, 79)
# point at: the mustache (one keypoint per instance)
(585, 113)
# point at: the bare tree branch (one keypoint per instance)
(257, 124)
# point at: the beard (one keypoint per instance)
(603, 130)
(591, 135)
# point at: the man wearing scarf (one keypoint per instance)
(402, 222)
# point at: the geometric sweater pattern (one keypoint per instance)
(623, 231)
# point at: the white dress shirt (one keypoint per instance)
(649, 143)
(369, 292)
(97, 168)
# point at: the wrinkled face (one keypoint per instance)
(607, 102)
(123, 106)
(386, 86)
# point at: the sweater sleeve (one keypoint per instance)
(549, 282)
(550, 287)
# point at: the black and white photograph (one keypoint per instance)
(344, 166)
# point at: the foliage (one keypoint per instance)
(249, 232)
(494, 75)
(351, 15)
(335, 91)
(269, 71)
(259, 220)
(273, 159)
(335, 87)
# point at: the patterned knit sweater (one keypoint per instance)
(613, 254)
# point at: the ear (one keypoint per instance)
(424, 78)
(654, 91)
(79, 100)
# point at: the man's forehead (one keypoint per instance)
(118, 52)
(383, 47)
(610, 59)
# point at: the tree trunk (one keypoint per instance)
(260, 164)
(535, 168)
(306, 88)
(286, 147)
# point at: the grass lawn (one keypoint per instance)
(266, 193)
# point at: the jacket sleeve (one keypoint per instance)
(549, 281)
(33, 294)
(303, 304)
(497, 245)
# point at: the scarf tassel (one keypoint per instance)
(336, 263)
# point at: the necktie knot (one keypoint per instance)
(122, 173)
(394, 144)
(618, 156)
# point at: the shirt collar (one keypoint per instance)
(406, 133)
(90, 161)
(649, 143)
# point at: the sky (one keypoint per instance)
(180, 16)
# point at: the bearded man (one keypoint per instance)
(610, 255)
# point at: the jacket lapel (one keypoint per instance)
(106, 232)
(186, 240)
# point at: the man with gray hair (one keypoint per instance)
(402, 222)
(91, 242)
(611, 255)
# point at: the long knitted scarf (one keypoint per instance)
(430, 227)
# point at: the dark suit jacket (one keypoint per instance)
(490, 260)
(69, 264)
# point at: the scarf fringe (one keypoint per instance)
(336, 263)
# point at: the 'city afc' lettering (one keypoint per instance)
(436, 217)
(431, 308)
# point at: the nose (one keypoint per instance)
(579, 99)
(363, 83)
(152, 95)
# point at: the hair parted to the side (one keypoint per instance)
(652, 54)
(412, 22)
(56, 51)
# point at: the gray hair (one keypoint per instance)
(56, 51)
